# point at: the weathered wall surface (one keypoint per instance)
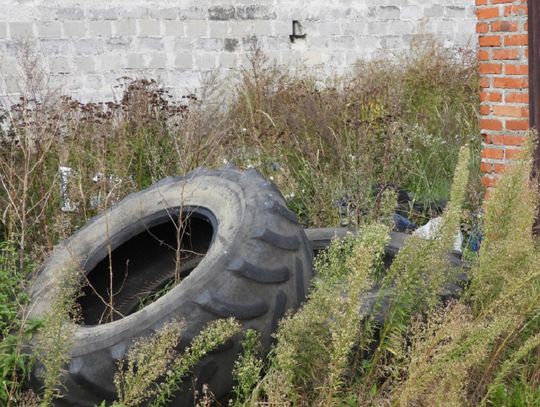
(86, 45)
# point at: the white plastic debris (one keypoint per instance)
(430, 230)
(66, 205)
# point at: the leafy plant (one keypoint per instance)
(248, 368)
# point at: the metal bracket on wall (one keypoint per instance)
(297, 31)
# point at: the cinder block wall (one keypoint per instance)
(86, 45)
(503, 57)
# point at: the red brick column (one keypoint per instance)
(503, 64)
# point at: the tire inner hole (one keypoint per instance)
(145, 267)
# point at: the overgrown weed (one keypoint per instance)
(391, 121)
(483, 351)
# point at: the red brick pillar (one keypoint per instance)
(503, 63)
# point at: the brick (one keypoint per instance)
(100, 28)
(455, 11)
(241, 28)
(157, 60)
(195, 29)
(517, 98)
(205, 61)
(494, 154)
(164, 13)
(488, 181)
(125, 27)
(184, 60)
(445, 26)
(262, 28)
(70, 13)
(516, 69)
(511, 111)
(348, 42)
(499, 168)
(103, 13)
(13, 85)
(506, 140)
(490, 40)
(481, 2)
(254, 12)
(520, 10)
(483, 55)
(110, 62)
(218, 28)
(49, 29)
(227, 61)
(85, 64)
(193, 13)
(9, 66)
(135, 13)
(411, 13)
(250, 42)
(135, 61)
(379, 27)
(485, 82)
(59, 65)
(490, 97)
(486, 168)
(490, 68)
(21, 30)
(150, 44)
(148, 28)
(119, 44)
(504, 26)
(435, 10)
(487, 13)
(491, 124)
(505, 54)
(511, 153)
(485, 110)
(221, 13)
(520, 125)
(482, 28)
(75, 29)
(510, 83)
(93, 81)
(230, 44)
(516, 40)
(89, 46)
(387, 12)
(53, 46)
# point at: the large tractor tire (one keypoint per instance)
(239, 253)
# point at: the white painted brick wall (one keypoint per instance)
(85, 43)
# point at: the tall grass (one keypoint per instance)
(399, 121)
(309, 364)
(331, 352)
(479, 350)
(153, 371)
(484, 349)
(55, 339)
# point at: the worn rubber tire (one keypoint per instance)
(258, 266)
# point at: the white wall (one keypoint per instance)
(87, 45)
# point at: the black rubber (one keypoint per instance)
(247, 257)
